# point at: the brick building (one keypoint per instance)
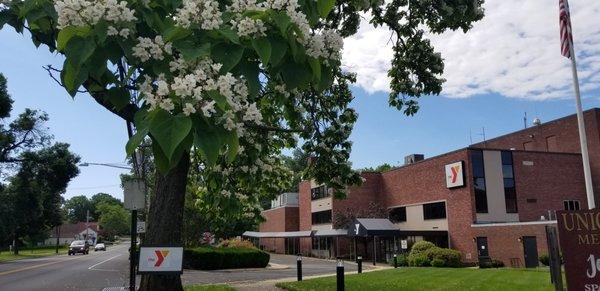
(489, 200)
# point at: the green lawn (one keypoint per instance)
(208, 288)
(435, 279)
(31, 253)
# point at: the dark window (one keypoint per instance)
(397, 214)
(510, 193)
(321, 217)
(571, 204)
(434, 210)
(481, 205)
(531, 200)
(319, 192)
(321, 243)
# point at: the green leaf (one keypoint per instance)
(174, 33)
(119, 97)
(160, 159)
(101, 30)
(79, 49)
(209, 140)
(229, 34)
(229, 55)
(153, 20)
(219, 99)
(295, 75)
(191, 51)
(262, 46)
(169, 131)
(250, 71)
(282, 21)
(72, 77)
(326, 78)
(231, 139)
(324, 7)
(65, 34)
(315, 65)
(135, 141)
(278, 49)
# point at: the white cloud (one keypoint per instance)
(513, 51)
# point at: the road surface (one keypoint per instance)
(80, 272)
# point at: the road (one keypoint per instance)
(80, 272)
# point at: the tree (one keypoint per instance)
(102, 198)
(34, 192)
(381, 168)
(238, 80)
(77, 209)
(343, 218)
(297, 163)
(113, 219)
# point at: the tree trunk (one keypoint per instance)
(165, 221)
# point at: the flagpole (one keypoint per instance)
(582, 135)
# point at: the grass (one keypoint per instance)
(36, 252)
(208, 288)
(434, 279)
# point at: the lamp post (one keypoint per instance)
(87, 164)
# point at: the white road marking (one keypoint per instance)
(95, 265)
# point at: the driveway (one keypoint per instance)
(281, 267)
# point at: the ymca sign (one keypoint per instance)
(455, 175)
(161, 259)
(579, 235)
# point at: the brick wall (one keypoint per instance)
(567, 136)
(549, 178)
(305, 215)
(278, 220)
(425, 181)
(503, 241)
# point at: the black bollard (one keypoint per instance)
(340, 275)
(395, 261)
(359, 262)
(299, 266)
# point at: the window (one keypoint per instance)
(321, 243)
(481, 205)
(434, 210)
(319, 192)
(571, 204)
(321, 217)
(551, 143)
(510, 193)
(397, 214)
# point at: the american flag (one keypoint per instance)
(566, 35)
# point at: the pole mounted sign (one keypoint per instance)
(579, 235)
(133, 194)
(161, 260)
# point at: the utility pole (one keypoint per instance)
(87, 225)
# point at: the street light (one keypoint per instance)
(87, 164)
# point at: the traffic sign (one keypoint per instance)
(141, 227)
(160, 260)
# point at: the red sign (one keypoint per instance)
(579, 235)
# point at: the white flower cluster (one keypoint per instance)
(327, 44)
(204, 12)
(90, 12)
(240, 6)
(248, 27)
(147, 48)
(190, 87)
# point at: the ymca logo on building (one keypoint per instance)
(455, 176)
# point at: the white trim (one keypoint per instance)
(283, 206)
(514, 223)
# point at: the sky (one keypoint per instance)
(507, 65)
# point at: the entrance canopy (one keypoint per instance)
(331, 232)
(373, 227)
(257, 234)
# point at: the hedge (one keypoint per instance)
(450, 257)
(209, 258)
(424, 253)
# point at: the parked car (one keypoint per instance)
(79, 246)
(100, 247)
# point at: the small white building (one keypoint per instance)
(67, 233)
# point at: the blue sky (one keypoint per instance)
(486, 87)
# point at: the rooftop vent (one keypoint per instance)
(411, 159)
(537, 121)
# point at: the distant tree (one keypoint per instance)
(381, 168)
(102, 198)
(114, 219)
(34, 192)
(77, 207)
(298, 164)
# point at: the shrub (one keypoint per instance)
(402, 260)
(236, 243)
(421, 246)
(450, 257)
(545, 260)
(497, 264)
(438, 263)
(208, 258)
(418, 260)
